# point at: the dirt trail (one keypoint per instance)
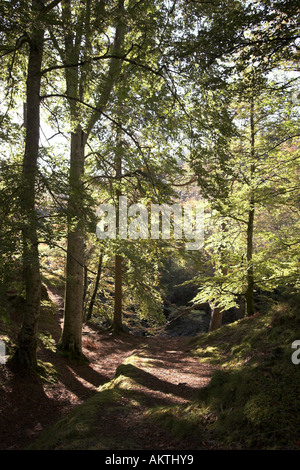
(28, 406)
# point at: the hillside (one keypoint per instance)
(235, 388)
(167, 373)
(252, 401)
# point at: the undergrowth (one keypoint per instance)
(252, 400)
(83, 427)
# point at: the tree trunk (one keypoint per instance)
(27, 338)
(216, 318)
(118, 315)
(250, 271)
(93, 298)
(70, 342)
(249, 297)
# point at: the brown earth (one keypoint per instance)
(28, 405)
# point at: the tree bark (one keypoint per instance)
(216, 318)
(70, 341)
(27, 338)
(93, 298)
(118, 315)
(250, 270)
(249, 297)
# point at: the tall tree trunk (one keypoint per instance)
(249, 297)
(70, 341)
(250, 270)
(27, 338)
(118, 315)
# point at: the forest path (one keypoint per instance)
(170, 375)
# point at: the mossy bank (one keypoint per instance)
(251, 402)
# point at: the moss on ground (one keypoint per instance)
(83, 427)
(252, 400)
(94, 424)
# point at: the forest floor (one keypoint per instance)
(28, 404)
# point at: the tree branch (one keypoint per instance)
(51, 5)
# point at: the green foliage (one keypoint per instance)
(249, 164)
(194, 89)
(47, 341)
(47, 372)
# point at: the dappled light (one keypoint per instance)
(149, 227)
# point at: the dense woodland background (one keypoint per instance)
(163, 102)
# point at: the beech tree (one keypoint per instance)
(131, 168)
(88, 96)
(238, 181)
(76, 92)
